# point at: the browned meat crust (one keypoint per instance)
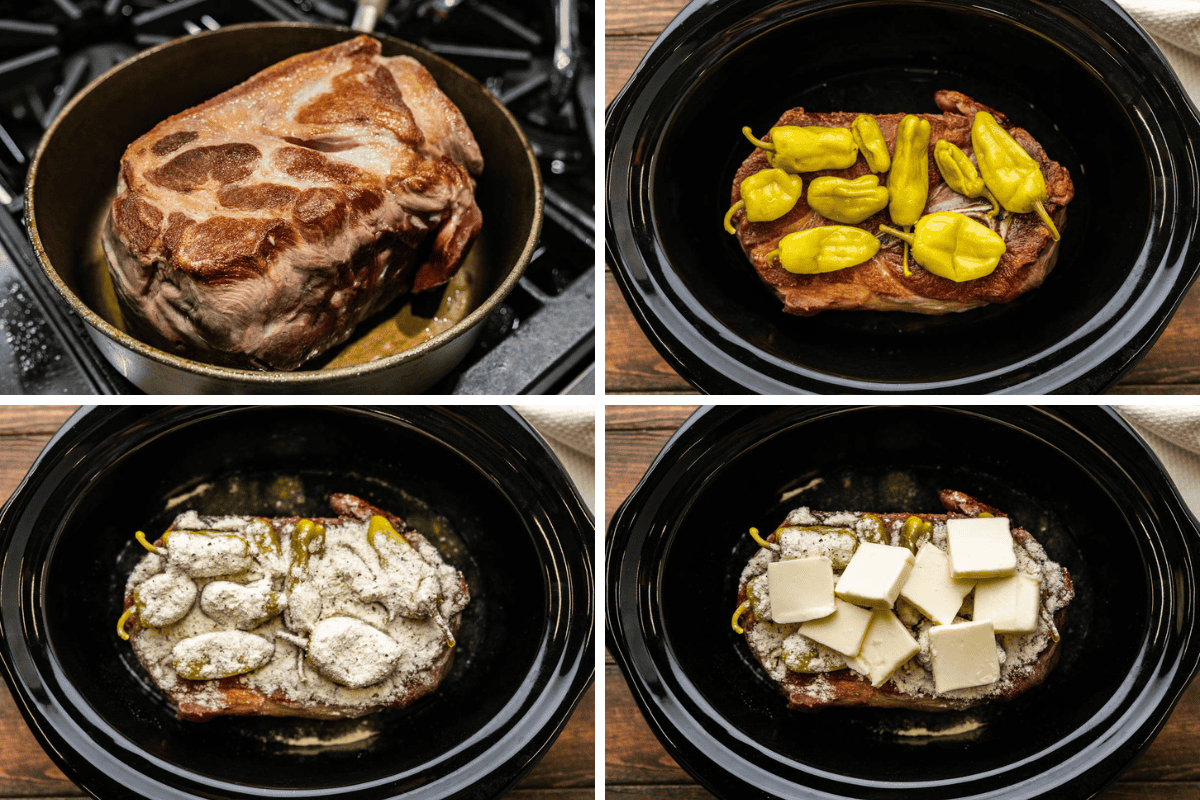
(257, 229)
(847, 688)
(880, 283)
(239, 699)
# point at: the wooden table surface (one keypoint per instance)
(636, 765)
(633, 366)
(26, 772)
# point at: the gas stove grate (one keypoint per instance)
(536, 58)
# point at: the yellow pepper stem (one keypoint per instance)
(733, 209)
(1041, 212)
(907, 238)
(995, 204)
(757, 142)
(445, 626)
(773, 255)
(141, 537)
(756, 537)
(129, 612)
(742, 609)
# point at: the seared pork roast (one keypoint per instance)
(880, 283)
(257, 229)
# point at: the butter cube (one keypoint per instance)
(932, 589)
(874, 576)
(964, 655)
(886, 647)
(1012, 604)
(843, 630)
(981, 548)
(800, 589)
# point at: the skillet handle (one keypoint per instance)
(367, 14)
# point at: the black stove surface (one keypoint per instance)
(537, 57)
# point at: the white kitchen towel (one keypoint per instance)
(571, 432)
(1173, 432)
(1175, 27)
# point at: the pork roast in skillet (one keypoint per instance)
(257, 229)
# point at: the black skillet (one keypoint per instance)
(73, 178)
(1080, 75)
(1077, 477)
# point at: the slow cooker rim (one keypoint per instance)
(658, 694)
(696, 343)
(498, 761)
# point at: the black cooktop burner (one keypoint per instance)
(538, 58)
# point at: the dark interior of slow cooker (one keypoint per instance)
(278, 462)
(891, 58)
(896, 459)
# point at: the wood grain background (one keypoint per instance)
(636, 765)
(26, 772)
(633, 366)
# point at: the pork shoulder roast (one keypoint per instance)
(257, 229)
(880, 283)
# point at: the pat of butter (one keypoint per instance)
(843, 630)
(981, 548)
(800, 588)
(932, 589)
(964, 655)
(886, 647)
(874, 576)
(1012, 604)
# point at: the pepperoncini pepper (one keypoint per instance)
(307, 537)
(824, 249)
(766, 195)
(160, 600)
(807, 149)
(913, 529)
(908, 181)
(756, 603)
(953, 246)
(960, 174)
(848, 201)
(873, 529)
(1011, 174)
(871, 143)
(263, 534)
(380, 525)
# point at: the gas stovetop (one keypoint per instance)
(538, 58)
